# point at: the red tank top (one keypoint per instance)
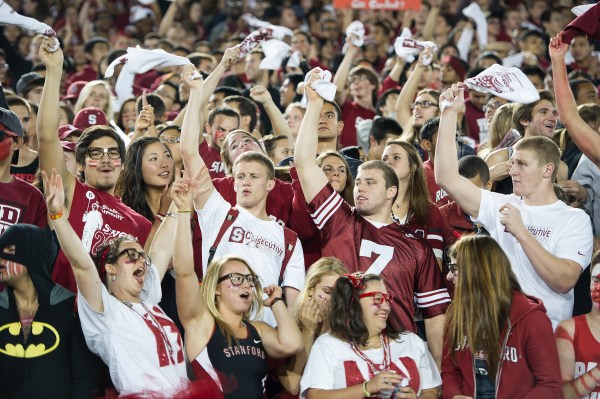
(587, 350)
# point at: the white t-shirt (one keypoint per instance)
(332, 364)
(563, 231)
(260, 242)
(136, 354)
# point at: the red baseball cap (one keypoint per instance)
(74, 90)
(67, 130)
(90, 116)
(68, 146)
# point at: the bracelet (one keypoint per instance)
(364, 386)
(184, 211)
(275, 300)
(54, 216)
(159, 216)
(171, 214)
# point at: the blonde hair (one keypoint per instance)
(209, 288)
(87, 90)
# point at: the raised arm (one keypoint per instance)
(49, 149)
(341, 76)
(161, 248)
(84, 269)
(192, 124)
(230, 57)
(586, 138)
(408, 93)
(312, 178)
(144, 123)
(280, 127)
(465, 193)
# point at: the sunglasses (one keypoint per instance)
(98, 152)
(378, 297)
(423, 104)
(238, 278)
(453, 267)
(135, 255)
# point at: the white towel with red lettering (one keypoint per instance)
(508, 83)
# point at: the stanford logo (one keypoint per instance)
(237, 235)
(9, 215)
(501, 83)
(92, 119)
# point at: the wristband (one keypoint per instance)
(275, 300)
(54, 216)
(171, 214)
(364, 386)
(184, 211)
(159, 216)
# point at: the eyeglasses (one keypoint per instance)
(423, 104)
(98, 152)
(378, 297)
(492, 106)
(135, 255)
(453, 267)
(172, 140)
(238, 278)
(357, 78)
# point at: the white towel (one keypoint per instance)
(508, 83)
(275, 52)
(408, 48)
(8, 16)
(256, 23)
(356, 32)
(474, 12)
(322, 86)
(294, 60)
(515, 60)
(258, 37)
(581, 9)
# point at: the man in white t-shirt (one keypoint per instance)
(548, 243)
(252, 234)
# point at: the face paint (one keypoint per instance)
(117, 162)
(595, 288)
(5, 146)
(93, 163)
(12, 269)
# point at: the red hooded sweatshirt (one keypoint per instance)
(529, 367)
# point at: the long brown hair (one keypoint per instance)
(348, 192)
(482, 297)
(417, 193)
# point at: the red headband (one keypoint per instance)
(356, 279)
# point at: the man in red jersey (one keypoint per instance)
(365, 238)
(93, 210)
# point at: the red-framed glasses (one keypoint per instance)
(378, 297)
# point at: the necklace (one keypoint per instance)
(375, 368)
(154, 322)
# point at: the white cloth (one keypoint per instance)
(508, 83)
(325, 368)
(258, 241)
(578, 10)
(275, 52)
(258, 37)
(127, 345)
(294, 60)
(408, 48)
(515, 60)
(140, 60)
(8, 16)
(464, 43)
(256, 23)
(356, 32)
(474, 12)
(563, 231)
(323, 87)
(138, 13)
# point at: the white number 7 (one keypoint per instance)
(385, 252)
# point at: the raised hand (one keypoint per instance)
(510, 217)
(273, 291)
(557, 48)
(201, 182)
(51, 59)
(453, 99)
(188, 74)
(55, 192)
(230, 57)
(260, 94)
(310, 315)
(146, 117)
(311, 94)
(181, 191)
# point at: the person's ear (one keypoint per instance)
(270, 185)
(426, 144)
(340, 127)
(548, 170)
(110, 268)
(391, 192)
(488, 186)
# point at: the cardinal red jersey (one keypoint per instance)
(587, 351)
(97, 217)
(352, 114)
(432, 232)
(437, 195)
(212, 159)
(405, 261)
(20, 202)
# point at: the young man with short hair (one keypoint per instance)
(378, 244)
(547, 242)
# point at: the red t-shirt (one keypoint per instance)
(437, 195)
(20, 202)
(587, 350)
(212, 159)
(97, 217)
(87, 74)
(477, 125)
(352, 114)
(405, 261)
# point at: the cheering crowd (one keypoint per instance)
(236, 199)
